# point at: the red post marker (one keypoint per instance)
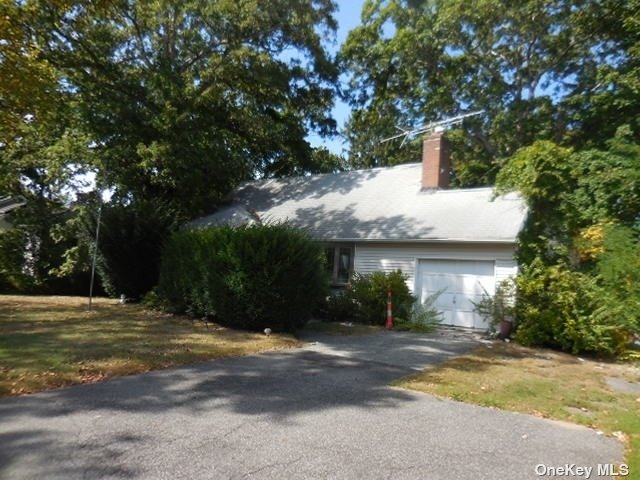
(389, 323)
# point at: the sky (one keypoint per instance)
(348, 17)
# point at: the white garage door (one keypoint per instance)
(463, 282)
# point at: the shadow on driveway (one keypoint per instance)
(321, 411)
(404, 350)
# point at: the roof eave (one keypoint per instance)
(419, 240)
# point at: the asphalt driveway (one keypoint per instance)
(324, 411)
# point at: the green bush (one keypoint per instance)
(339, 307)
(249, 277)
(424, 317)
(498, 307)
(618, 272)
(560, 308)
(13, 274)
(369, 292)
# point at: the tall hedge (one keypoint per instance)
(248, 277)
(130, 245)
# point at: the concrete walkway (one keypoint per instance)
(323, 411)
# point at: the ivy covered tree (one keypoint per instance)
(580, 246)
(569, 190)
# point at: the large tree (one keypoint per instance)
(27, 81)
(540, 69)
(170, 103)
(184, 99)
(42, 162)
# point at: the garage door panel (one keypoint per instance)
(484, 268)
(467, 320)
(434, 282)
(463, 282)
(472, 285)
(462, 319)
(465, 304)
(447, 317)
(441, 267)
(446, 300)
(456, 283)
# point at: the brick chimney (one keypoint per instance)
(435, 161)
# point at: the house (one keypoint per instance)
(7, 205)
(461, 241)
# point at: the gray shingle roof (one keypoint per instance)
(376, 205)
(8, 204)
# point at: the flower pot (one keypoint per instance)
(505, 328)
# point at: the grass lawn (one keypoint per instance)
(542, 383)
(48, 342)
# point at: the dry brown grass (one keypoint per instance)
(48, 342)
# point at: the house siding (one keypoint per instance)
(387, 257)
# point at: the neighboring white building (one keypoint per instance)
(403, 217)
(7, 205)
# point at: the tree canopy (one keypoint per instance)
(564, 71)
(183, 100)
(28, 83)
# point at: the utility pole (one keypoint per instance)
(105, 197)
(95, 256)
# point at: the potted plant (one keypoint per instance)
(499, 309)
